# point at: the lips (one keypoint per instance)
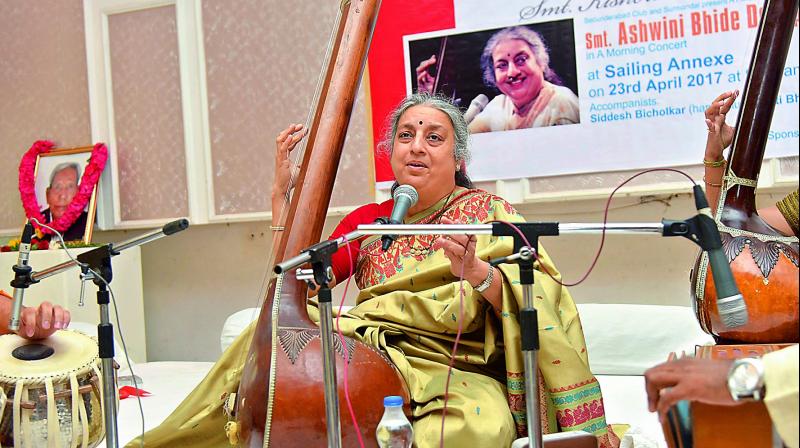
(516, 82)
(416, 164)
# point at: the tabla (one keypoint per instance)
(50, 392)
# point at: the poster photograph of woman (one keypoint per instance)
(517, 77)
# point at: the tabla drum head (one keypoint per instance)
(69, 352)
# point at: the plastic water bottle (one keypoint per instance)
(394, 429)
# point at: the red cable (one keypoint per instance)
(455, 347)
(341, 338)
(461, 297)
(603, 233)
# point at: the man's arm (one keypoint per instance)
(783, 392)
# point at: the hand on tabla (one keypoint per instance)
(694, 379)
(42, 321)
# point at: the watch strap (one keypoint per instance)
(484, 285)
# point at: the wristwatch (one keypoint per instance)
(484, 285)
(746, 379)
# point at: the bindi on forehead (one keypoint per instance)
(420, 122)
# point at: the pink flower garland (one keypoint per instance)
(27, 185)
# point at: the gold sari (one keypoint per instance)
(410, 306)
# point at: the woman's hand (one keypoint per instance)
(285, 142)
(460, 249)
(720, 134)
(424, 79)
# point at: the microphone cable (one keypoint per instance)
(455, 347)
(344, 347)
(544, 269)
(116, 318)
(603, 232)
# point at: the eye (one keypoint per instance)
(403, 135)
(521, 59)
(502, 65)
(435, 138)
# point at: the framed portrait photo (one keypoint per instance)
(66, 198)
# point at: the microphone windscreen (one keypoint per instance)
(407, 191)
(481, 101)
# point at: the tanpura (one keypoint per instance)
(764, 262)
(280, 401)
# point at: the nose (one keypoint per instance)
(418, 144)
(512, 71)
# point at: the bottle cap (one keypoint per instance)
(393, 400)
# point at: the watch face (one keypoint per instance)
(745, 377)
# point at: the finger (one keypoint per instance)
(656, 379)
(725, 106)
(713, 109)
(669, 396)
(45, 315)
(67, 318)
(283, 134)
(424, 65)
(58, 317)
(723, 95)
(461, 240)
(27, 325)
(295, 139)
(472, 243)
(449, 246)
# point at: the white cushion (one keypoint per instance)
(235, 324)
(627, 339)
(622, 339)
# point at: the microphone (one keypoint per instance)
(730, 303)
(405, 196)
(21, 270)
(475, 107)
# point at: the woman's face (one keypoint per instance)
(423, 152)
(516, 71)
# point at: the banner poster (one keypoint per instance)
(625, 81)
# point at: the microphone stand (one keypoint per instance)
(319, 256)
(99, 260)
(524, 256)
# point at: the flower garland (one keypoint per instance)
(27, 185)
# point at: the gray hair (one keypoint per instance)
(523, 33)
(460, 130)
(63, 166)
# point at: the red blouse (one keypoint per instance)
(366, 214)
